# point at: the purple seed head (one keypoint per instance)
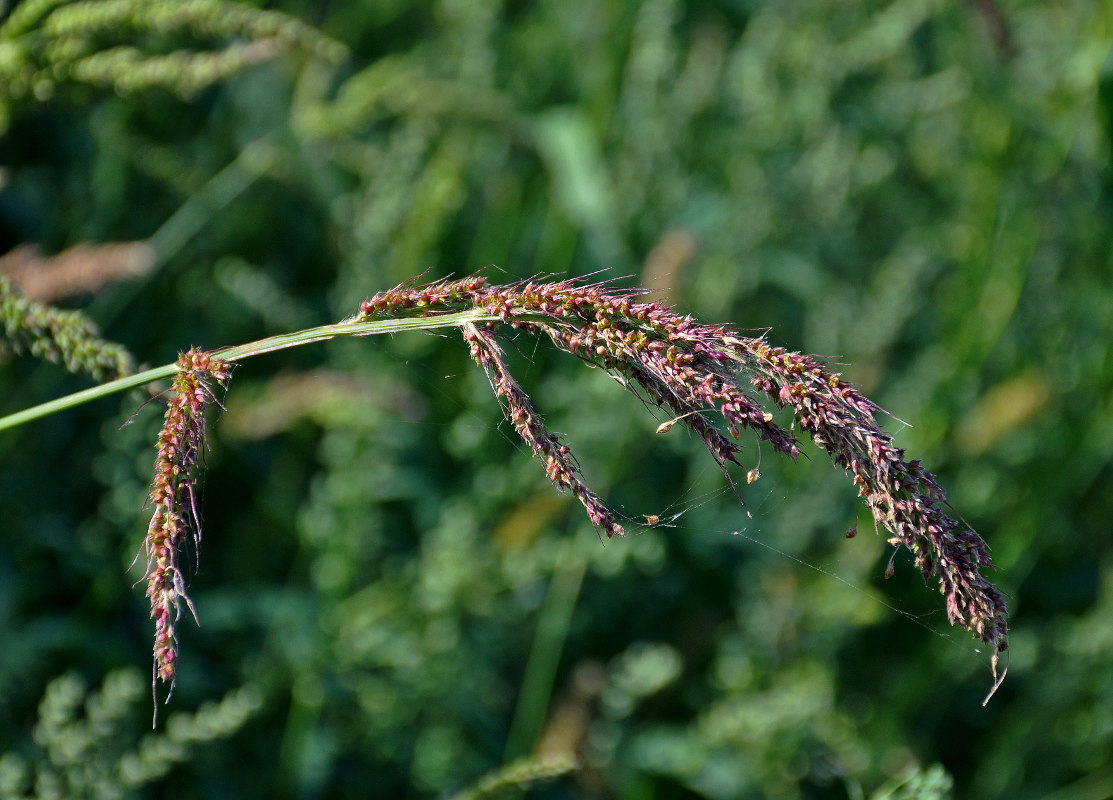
(699, 374)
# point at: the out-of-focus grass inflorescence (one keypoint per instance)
(59, 336)
(47, 44)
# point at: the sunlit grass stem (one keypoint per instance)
(244, 351)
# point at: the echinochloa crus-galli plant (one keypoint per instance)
(708, 378)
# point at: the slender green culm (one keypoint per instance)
(239, 353)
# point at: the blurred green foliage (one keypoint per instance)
(390, 594)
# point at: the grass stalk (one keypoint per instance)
(241, 352)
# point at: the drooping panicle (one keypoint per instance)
(697, 373)
(173, 494)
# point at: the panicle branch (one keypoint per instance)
(560, 465)
(904, 497)
(181, 446)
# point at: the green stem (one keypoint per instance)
(244, 351)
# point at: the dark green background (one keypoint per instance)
(920, 189)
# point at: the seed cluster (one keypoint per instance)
(669, 360)
(692, 371)
(181, 446)
(560, 465)
(904, 497)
